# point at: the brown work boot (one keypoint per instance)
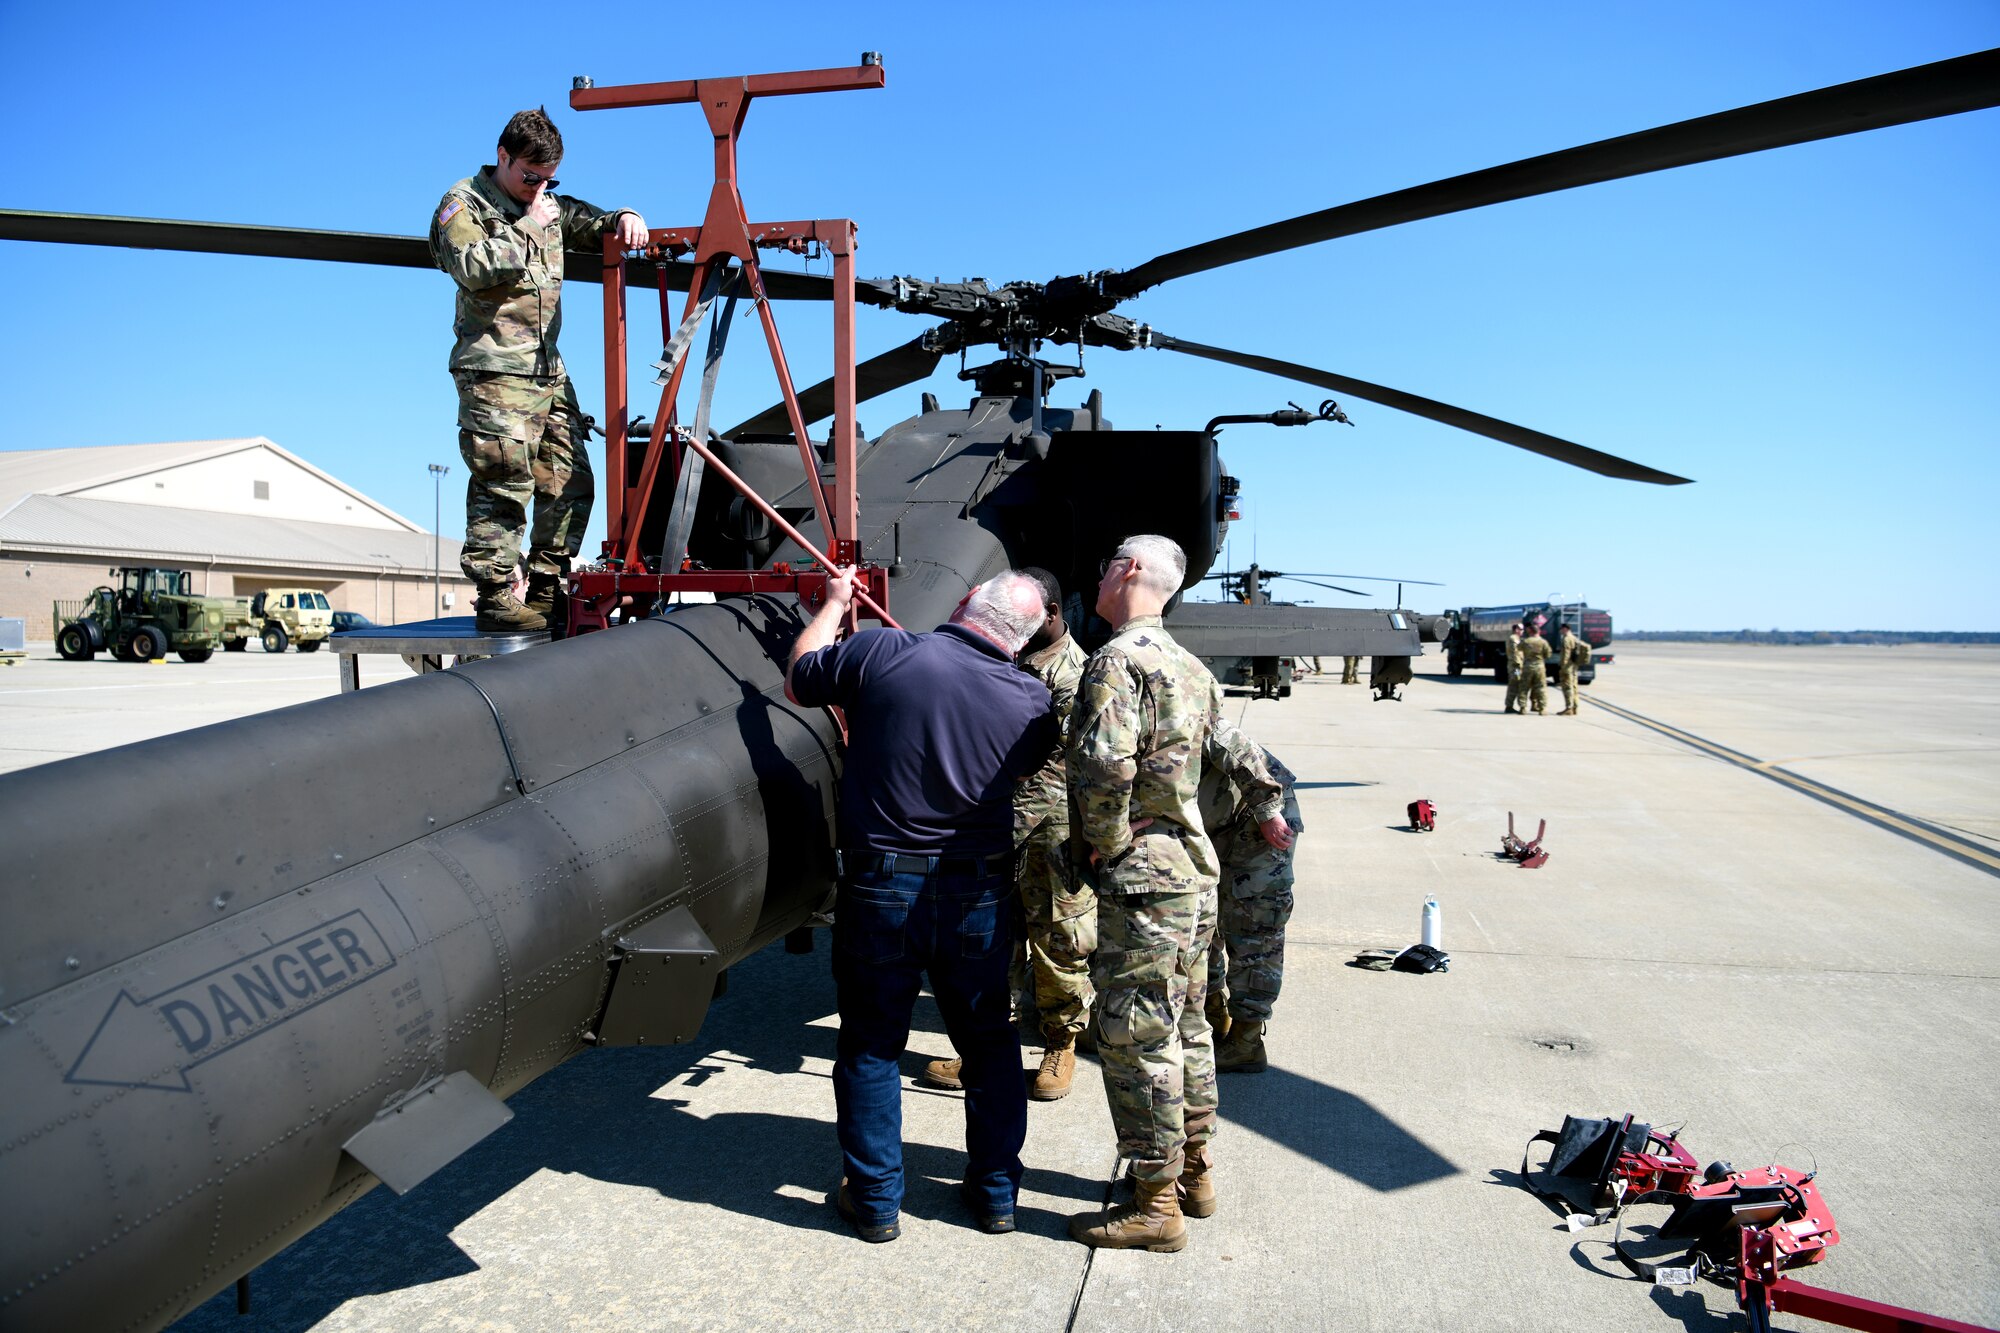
(1152, 1221)
(1217, 1009)
(541, 597)
(1058, 1068)
(499, 611)
(1195, 1190)
(944, 1074)
(1243, 1051)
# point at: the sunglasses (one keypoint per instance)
(1104, 566)
(532, 178)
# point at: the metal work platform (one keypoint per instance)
(423, 645)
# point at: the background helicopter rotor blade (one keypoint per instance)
(1946, 88)
(877, 375)
(1365, 578)
(344, 247)
(1295, 578)
(1521, 437)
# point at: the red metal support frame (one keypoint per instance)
(725, 233)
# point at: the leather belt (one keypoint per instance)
(900, 863)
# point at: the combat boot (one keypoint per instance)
(1217, 1009)
(944, 1074)
(541, 597)
(1058, 1069)
(1243, 1052)
(499, 611)
(1152, 1221)
(1195, 1190)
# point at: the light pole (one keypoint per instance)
(437, 517)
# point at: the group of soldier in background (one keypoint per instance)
(1164, 940)
(1528, 654)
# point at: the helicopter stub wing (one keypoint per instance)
(1232, 629)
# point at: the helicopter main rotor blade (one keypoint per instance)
(1521, 437)
(1365, 578)
(1352, 592)
(344, 247)
(1946, 88)
(877, 375)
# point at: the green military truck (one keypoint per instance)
(150, 613)
(280, 617)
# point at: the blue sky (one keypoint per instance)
(1810, 333)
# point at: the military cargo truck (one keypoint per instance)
(281, 617)
(149, 613)
(1479, 638)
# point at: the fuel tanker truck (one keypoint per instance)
(1478, 638)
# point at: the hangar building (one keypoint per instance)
(241, 515)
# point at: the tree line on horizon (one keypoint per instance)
(1883, 637)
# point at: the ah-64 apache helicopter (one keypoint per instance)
(355, 926)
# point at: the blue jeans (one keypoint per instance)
(888, 931)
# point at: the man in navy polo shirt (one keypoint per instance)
(940, 728)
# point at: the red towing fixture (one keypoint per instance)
(622, 584)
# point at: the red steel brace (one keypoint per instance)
(725, 233)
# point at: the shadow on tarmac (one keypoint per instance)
(599, 1116)
(1335, 1128)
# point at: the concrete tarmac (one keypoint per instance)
(1707, 946)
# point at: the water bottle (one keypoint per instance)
(1433, 924)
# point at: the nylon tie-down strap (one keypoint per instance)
(687, 486)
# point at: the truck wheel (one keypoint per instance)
(310, 645)
(148, 643)
(74, 645)
(275, 638)
(1454, 666)
(122, 650)
(235, 645)
(196, 654)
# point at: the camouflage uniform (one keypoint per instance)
(1247, 962)
(1534, 679)
(520, 430)
(1350, 671)
(1137, 744)
(1061, 913)
(1514, 680)
(1574, 654)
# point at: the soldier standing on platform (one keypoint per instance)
(1136, 749)
(500, 234)
(1572, 654)
(1534, 673)
(1514, 669)
(1246, 964)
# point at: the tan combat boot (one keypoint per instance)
(1058, 1068)
(1195, 1190)
(541, 597)
(1243, 1051)
(944, 1074)
(498, 611)
(1217, 1009)
(1152, 1221)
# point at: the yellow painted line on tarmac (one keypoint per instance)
(1937, 839)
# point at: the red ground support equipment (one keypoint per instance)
(629, 582)
(1423, 816)
(1740, 1229)
(1529, 854)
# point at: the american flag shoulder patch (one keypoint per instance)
(449, 211)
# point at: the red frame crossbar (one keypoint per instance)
(725, 233)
